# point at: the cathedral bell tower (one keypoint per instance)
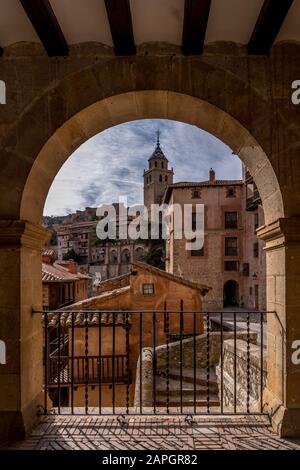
(157, 177)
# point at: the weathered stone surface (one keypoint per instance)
(245, 101)
(208, 350)
(247, 387)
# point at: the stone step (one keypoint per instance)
(175, 402)
(189, 377)
(187, 387)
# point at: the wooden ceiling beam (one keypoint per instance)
(269, 22)
(45, 23)
(120, 22)
(196, 14)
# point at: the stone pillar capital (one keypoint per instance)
(20, 233)
(282, 232)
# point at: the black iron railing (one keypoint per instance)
(160, 362)
(110, 367)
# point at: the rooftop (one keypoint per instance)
(57, 273)
(199, 184)
(172, 277)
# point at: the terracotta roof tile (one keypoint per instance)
(56, 273)
(80, 319)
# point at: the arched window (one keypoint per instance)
(155, 164)
(162, 164)
(160, 178)
(138, 253)
(166, 178)
(125, 256)
(113, 257)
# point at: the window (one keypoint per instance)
(155, 164)
(231, 266)
(231, 246)
(198, 252)
(256, 221)
(194, 220)
(255, 250)
(160, 178)
(162, 164)
(196, 194)
(230, 192)
(231, 220)
(246, 269)
(148, 289)
(166, 178)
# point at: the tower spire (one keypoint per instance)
(158, 137)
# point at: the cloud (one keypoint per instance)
(112, 163)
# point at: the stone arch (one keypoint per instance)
(138, 252)
(113, 256)
(84, 103)
(165, 104)
(125, 256)
(113, 91)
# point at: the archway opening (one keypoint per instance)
(231, 294)
(135, 105)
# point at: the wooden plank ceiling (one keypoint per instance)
(269, 22)
(194, 25)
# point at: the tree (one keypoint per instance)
(72, 255)
(155, 254)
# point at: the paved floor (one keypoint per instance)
(154, 433)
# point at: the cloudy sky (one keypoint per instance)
(111, 164)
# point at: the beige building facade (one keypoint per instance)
(232, 260)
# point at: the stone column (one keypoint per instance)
(21, 330)
(282, 396)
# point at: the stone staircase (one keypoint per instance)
(188, 392)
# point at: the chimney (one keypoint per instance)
(48, 257)
(70, 265)
(212, 176)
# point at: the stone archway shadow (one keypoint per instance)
(145, 105)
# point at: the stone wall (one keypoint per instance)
(243, 384)
(56, 104)
(201, 341)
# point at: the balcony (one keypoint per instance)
(253, 201)
(79, 370)
(170, 363)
